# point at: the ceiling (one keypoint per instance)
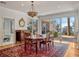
(42, 7)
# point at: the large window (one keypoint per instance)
(57, 24)
(72, 25)
(33, 26)
(65, 25)
(29, 26)
(45, 27)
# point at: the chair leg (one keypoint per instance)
(40, 45)
(48, 44)
(46, 47)
(53, 44)
(43, 46)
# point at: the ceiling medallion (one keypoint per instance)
(32, 13)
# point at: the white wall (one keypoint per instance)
(16, 15)
(13, 14)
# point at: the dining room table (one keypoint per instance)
(37, 40)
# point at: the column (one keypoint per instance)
(39, 27)
(77, 27)
(68, 26)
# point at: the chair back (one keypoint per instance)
(37, 35)
(27, 34)
(47, 37)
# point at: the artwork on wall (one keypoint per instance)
(21, 22)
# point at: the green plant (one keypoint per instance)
(49, 32)
(55, 34)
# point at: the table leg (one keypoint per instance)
(25, 47)
(36, 48)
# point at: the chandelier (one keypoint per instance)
(32, 12)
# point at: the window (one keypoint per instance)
(29, 26)
(57, 24)
(45, 27)
(33, 26)
(72, 24)
(64, 25)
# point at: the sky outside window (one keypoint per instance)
(64, 22)
(72, 20)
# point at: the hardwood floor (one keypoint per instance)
(72, 50)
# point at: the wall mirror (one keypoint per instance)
(21, 22)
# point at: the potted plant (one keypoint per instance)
(55, 34)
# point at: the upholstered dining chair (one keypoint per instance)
(46, 42)
(27, 34)
(30, 45)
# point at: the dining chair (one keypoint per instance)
(46, 42)
(30, 45)
(27, 34)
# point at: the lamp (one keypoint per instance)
(32, 13)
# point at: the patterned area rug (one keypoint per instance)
(58, 50)
(61, 48)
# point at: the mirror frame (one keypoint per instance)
(20, 24)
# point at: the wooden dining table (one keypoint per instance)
(37, 40)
